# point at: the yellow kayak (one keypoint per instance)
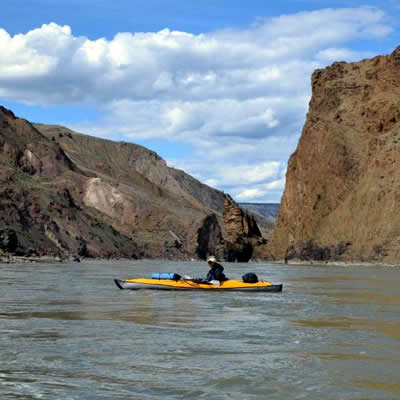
(187, 284)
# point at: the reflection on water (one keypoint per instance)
(67, 332)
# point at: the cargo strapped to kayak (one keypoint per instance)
(166, 275)
(250, 277)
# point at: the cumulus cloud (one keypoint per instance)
(238, 97)
(172, 64)
(337, 54)
(250, 194)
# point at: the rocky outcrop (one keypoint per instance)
(342, 189)
(238, 223)
(241, 232)
(233, 237)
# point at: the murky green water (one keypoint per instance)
(66, 332)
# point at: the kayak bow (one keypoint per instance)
(184, 284)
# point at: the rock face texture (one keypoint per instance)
(66, 194)
(40, 210)
(242, 232)
(235, 237)
(342, 192)
(238, 223)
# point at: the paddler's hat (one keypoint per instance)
(211, 259)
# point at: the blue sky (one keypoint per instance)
(218, 88)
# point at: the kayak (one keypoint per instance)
(187, 284)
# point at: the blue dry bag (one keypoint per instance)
(166, 275)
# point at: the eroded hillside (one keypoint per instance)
(66, 194)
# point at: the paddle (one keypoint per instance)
(176, 277)
(200, 280)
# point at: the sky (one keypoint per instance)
(217, 88)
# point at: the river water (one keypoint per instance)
(67, 332)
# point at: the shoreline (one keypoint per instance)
(315, 263)
(12, 259)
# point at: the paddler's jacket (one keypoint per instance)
(216, 273)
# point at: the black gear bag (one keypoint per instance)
(250, 277)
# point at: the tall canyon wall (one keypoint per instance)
(342, 194)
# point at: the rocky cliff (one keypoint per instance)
(235, 237)
(67, 194)
(342, 191)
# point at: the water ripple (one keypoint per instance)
(66, 332)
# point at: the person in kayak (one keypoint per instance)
(216, 272)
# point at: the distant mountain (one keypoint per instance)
(269, 211)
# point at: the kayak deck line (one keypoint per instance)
(166, 284)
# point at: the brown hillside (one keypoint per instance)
(131, 163)
(39, 214)
(67, 194)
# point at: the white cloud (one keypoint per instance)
(333, 54)
(249, 173)
(238, 97)
(278, 184)
(268, 191)
(250, 194)
(171, 64)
